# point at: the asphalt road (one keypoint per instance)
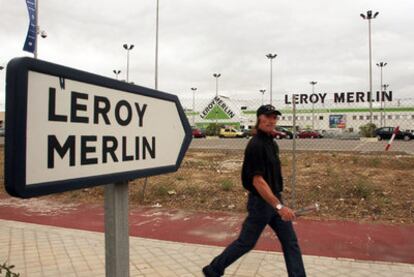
(309, 145)
(305, 145)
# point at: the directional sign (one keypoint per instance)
(68, 129)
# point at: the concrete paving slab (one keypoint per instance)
(40, 250)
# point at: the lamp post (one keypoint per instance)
(156, 45)
(263, 92)
(271, 57)
(128, 48)
(368, 17)
(42, 33)
(313, 83)
(216, 75)
(381, 65)
(385, 86)
(193, 90)
(116, 72)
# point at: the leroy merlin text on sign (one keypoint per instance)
(82, 149)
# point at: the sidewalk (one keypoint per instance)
(39, 250)
(330, 238)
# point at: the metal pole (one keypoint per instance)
(370, 72)
(127, 77)
(37, 29)
(156, 46)
(116, 230)
(381, 100)
(385, 114)
(216, 105)
(216, 86)
(216, 75)
(194, 90)
(263, 92)
(294, 154)
(313, 83)
(369, 15)
(116, 72)
(271, 56)
(271, 81)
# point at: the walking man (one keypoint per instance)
(262, 177)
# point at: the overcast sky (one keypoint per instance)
(321, 40)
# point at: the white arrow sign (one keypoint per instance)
(67, 129)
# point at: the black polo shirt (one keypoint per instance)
(261, 157)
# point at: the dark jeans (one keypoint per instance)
(259, 215)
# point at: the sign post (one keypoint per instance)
(116, 230)
(68, 129)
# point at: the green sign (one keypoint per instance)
(217, 109)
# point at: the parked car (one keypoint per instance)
(309, 134)
(247, 132)
(1, 132)
(288, 134)
(198, 133)
(231, 132)
(386, 133)
(278, 134)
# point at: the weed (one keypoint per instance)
(180, 178)
(191, 190)
(375, 162)
(355, 159)
(329, 171)
(226, 185)
(7, 269)
(362, 189)
(161, 190)
(284, 161)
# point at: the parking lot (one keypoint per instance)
(304, 144)
(324, 144)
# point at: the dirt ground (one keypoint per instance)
(348, 186)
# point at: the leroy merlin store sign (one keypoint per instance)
(217, 109)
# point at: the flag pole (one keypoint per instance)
(37, 27)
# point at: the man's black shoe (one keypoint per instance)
(208, 272)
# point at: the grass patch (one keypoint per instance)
(180, 178)
(362, 189)
(161, 189)
(375, 162)
(226, 185)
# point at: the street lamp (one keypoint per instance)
(42, 33)
(128, 48)
(194, 90)
(263, 92)
(116, 72)
(156, 45)
(368, 17)
(381, 65)
(313, 83)
(271, 57)
(385, 86)
(216, 75)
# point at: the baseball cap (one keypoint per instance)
(267, 109)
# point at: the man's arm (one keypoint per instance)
(264, 190)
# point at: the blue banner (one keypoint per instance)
(337, 121)
(29, 44)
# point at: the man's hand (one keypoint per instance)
(286, 214)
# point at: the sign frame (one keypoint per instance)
(16, 125)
